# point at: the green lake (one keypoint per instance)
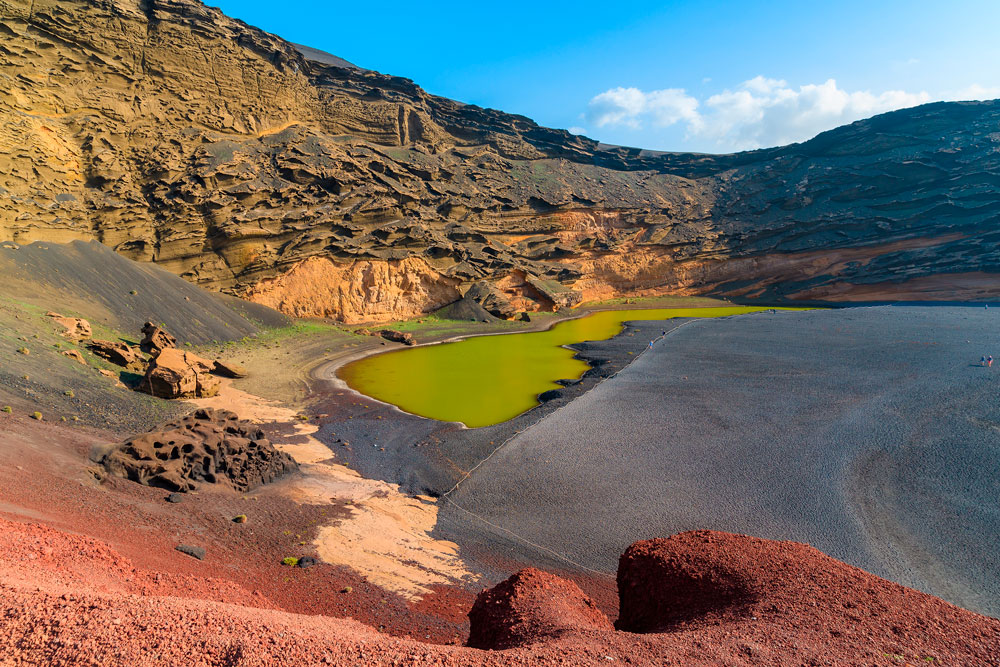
(485, 380)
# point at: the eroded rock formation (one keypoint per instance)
(174, 134)
(174, 373)
(205, 447)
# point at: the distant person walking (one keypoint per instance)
(989, 361)
(982, 361)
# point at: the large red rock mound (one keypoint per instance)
(207, 446)
(529, 607)
(665, 582)
(787, 598)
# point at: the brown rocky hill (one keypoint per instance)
(174, 134)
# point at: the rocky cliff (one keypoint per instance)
(175, 134)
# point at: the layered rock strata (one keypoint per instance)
(175, 134)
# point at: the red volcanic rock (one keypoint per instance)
(76, 328)
(155, 339)
(116, 352)
(664, 582)
(174, 373)
(529, 607)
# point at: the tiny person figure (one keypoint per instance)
(651, 346)
(982, 361)
(989, 361)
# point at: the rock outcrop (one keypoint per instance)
(118, 353)
(174, 373)
(205, 447)
(404, 337)
(76, 328)
(155, 339)
(175, 134)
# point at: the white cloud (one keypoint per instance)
(975, 92)
(630, 106)
(768, 112)
(759, 112)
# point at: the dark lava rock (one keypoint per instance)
(567, 382)
(175, 497)
(550, 395)
(529, 607)
(307, 561)
(206, 446)
(194, 552)
(404, 337)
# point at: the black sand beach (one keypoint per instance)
(878, 442)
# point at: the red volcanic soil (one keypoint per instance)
(89, 576)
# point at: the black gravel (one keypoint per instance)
(870, 433)
(429, 457)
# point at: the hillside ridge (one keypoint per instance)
(175, 134)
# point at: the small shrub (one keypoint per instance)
(23, 350)
(133, 292)
(8, 409)
(346, 589)
(36, 415)
(69, 393)
(290, 561)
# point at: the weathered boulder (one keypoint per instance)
(75, 356)
(174, 373)
(117, 352)
(491, 300)
(77, 328)
(404, 337)
(155, 339)
(205, 447)
(193, 551)
(529, 607)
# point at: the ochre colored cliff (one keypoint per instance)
(175, 134)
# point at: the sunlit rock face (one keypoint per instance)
(175, 134)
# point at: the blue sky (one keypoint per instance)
(711, 76)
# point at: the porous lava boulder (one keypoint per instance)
(155, 339)
(529, 607)
(117, 352)
(175, 373)
(404, 337)
(205, 447)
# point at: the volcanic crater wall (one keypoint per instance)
(175, 134)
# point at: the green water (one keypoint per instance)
(486, 380)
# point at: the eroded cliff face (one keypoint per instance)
(177, 135)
